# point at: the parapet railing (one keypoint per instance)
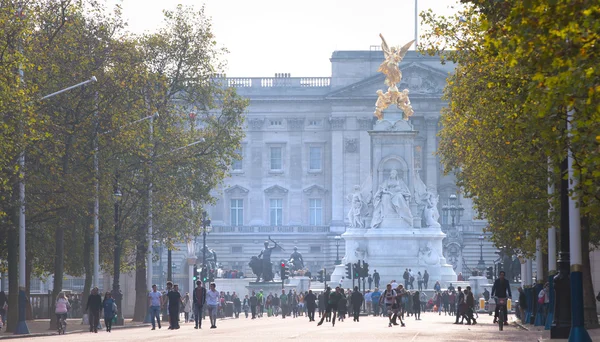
(269, 229)
(272, 82)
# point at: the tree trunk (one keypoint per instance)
(589, 297)
(13, 273)
(87, 264)
(59, 264)
(141, 288)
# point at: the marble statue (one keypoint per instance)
(431, 213)
(428, 255)
(356, 205)
(393, 76)
(392, 201)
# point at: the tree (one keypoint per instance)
(507, 113)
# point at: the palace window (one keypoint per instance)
(237, 212)
(237, 163)
(315, 159)
(276, 158)
(315, 212)
(276, 211)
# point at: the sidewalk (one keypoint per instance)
(40, 327)
(545, 334)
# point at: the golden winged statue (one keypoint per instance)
(393, 76)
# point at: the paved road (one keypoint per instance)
(431, 328)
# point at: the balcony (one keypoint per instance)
(270, 229)
(273, 82)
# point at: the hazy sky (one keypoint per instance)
(265, 37)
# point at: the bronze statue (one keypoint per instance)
(261, 265)
(296, 260)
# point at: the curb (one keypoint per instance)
(10, 337)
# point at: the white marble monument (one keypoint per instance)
(385, 220)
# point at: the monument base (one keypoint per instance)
(269, 287)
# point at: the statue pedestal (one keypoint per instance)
(269, 287)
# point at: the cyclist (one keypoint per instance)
(501, 289)
(61, 308)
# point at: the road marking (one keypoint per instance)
(417, 334)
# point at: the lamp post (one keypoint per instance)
(452, 209)
(206, 228)
(117, 256)
(337, 248)
(481, 263)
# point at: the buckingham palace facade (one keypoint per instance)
(307, 147)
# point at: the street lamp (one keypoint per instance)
(454, 209)
(481, 264)
(337, 247)
(117, 256)
(206, 228)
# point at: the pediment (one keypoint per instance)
(416, 77)
(315, 189)
(276, 189)
(236, 189)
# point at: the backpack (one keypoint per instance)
(405, 276)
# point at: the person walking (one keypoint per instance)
(174, 301)
(419, 281)
(155, 304)
(212, 300)
(368, 301)
(452, 302)
(328, 307)
(470, 301)
(311, 305)
(375, 301)
(388, 298)
(93, 307)
(522, 304)
(253, 304)
(199, 299)
(237, 305)
(417, 305)
(246, 305)
(406, 277)
(342, 306)
(110, 310)
(370, 281)
(284, 304)
(445, 302)
(321, 304)
(460, 306)
(187, 307)
(357, 299)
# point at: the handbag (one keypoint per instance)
(541, 300)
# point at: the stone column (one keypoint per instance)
(431, 181)
(539, 262)
(337, 171)
(191, 262)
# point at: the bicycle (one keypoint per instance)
(501, 304)
(62, 325)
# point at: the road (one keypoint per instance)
(431, 328)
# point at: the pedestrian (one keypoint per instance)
(411, 279)
(522, 304)
(452, 302)
(246, 305)
(376, 278)
(311, 305)
(357, 299)
(174, 298)
(460, 305)
(110, 310)
(388, 298)
(342, 306)
(3, 303)
(368, 301)
(330, 307)
(543, 301)
(399, 313)
(212, 300)
(375, 301)
(253, 304)
(155, 304)
(237, 305)
(370, 281)
(93, 307)
(419, 281)
(426, 279)
(417, 305)
(321, 304)
(445, 302)
(187, 307)
(199, 299)
(438, 302)
(470, 303)
(261, 303)
(276, 305)
(284, 303)
(406, 277)
(437, 286)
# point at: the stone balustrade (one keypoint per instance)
(272, 82)
(269, 229)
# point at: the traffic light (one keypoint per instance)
(195, 273)
(356, 271)
(320, 277)
(500, 268)
(365, 270)
(204, 275)
(349, 271)
(285, 271)
(489, 273)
